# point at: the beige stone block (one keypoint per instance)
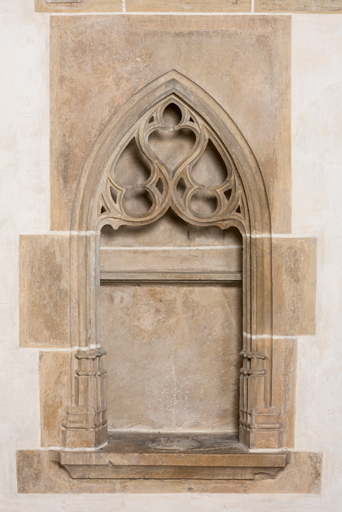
(188, 6)
(99, 62)
(37, 474)
(175, 260)
(321, 6)
(172, 356)
(54, 387)
(89, 6)
(284, 385)
(59, 6)
(294, 286)
(44, 291)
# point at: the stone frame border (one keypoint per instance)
(86, 423)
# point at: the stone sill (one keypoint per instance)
(38, 474)
(171, 456)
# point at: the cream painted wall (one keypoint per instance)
(317, 211)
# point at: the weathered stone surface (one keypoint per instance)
(175, 364)
(44, 291)
(175, 260)
(284, 385)
(123, 442)
(38, 474)
(245, 68)
(175, 456)
(188, 6)
(298, 6)
(172, 356)
(78, 6)
(294, 286)
(169, 231)
(54, 387)
(89, 6)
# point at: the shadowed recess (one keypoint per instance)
(203, 203)
(137, 201)
(132, 168)
(172, 147)
(168, 231)
(172, 115)
(210, 169)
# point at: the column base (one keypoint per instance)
(84, 438)
(255, 438)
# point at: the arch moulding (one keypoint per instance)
(246, 208)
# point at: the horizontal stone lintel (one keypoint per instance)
(169, 472)
(305, 6)
(170, 465)
(265, 460)
(192, 6)
(64, 1)
(170, 277)
(38, 474)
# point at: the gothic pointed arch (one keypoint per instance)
(240, 200)
(209, 120)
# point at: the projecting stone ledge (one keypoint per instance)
(171, 456)
(176, 463)
(165, 466)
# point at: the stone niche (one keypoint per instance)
(171, 322)
(180, 303)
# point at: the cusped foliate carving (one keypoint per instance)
(171, 158)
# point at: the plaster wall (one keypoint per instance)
(317, 211)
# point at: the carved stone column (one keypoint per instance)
(86, 423)
(259, 420)
(259, 424)
(86, 420)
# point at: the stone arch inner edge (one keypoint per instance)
(86, 421)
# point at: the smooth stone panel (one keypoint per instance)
(284, 385)
(188, 5)
(54, 387)
(37, 474)
(172, 356)
(171, 260)
(99, 62)
(82, 6)
(44, 291)
(294, 286)
(319, 6)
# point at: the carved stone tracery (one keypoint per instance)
(240, 200)
(228, 195)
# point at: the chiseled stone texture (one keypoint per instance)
(99, 62)
(298, 6)
(54, 387)
(188, 5)
(44, 291)
(284, 385)
(87, 6)
(172, 356)
(37, 474)
(294, 286)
